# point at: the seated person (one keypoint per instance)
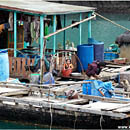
(4, 27)
(94, 69)
(67, 69)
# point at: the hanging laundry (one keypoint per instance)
(10, 21)
(59, 26)
(33, 33)
(46, 31)
(51, 20)
(35, 30)
(26, 26)
(27, 33)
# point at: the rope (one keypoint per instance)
(101, 119)
(51, 117)
(112, 22)
(76, 115)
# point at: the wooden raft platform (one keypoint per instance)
(47, 97)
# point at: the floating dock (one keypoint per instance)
(44, 104)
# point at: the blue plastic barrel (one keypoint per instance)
(98, 49)
(86, 56)
(110, 56)
(4, 65)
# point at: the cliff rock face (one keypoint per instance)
(102, 6)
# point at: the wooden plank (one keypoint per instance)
(33, 61)
(23, 66)
(117, 107)
(26, 60)
(48, 85)
(62, 106)
(122, 69)
(113, 66)
(10, 65)
(78, 108)
(121, 92)
(15, 93)
(104, 68)
(76, 101)
(100, 105)
(39, 99)
(104, 99)
(18, 66)
(124, 109)
(110, 70)
(29, 63)
(14, 65)
(21, 62)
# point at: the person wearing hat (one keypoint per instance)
(94, 69)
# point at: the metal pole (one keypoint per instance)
(64, 32)
(15, 33)
(80, 30)
(89, 26)
(41, 35)
(54, 37)
(41, 45)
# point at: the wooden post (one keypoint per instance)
(89, 26)
(15, 33)
(80, 30)
(54, 37)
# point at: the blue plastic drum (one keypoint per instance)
(85, 53)
(4, 65)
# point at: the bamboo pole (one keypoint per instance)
(70, 26)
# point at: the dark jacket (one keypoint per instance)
(93, 69)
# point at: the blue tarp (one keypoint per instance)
(98, 88)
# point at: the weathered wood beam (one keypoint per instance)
(65, 107)
(76, 101)
(104, 99)
(14, 93)
(45, 85)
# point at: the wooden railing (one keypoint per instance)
(20, 67)
(61, 56)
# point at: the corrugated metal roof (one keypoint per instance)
(42, 7)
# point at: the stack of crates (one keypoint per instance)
(108, 56)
